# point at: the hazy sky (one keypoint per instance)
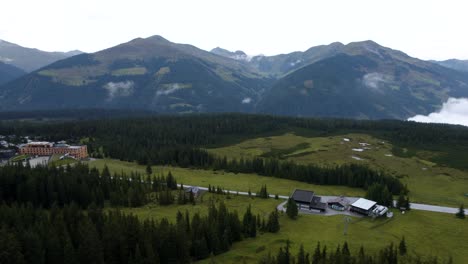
(424, 29)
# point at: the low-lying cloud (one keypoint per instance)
(375, 80)
(119, 89)
(454, 111)
(172, 88)
(247, 100)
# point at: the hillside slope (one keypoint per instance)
(29, 59)
(459, 65)
(151, 73)
(9, 73)
(365, 80)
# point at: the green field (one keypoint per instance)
(239, 203)
(428, 182)
(19, 158)
(231, 181)
(425, 232)
(55, 160)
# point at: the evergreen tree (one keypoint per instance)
(401, 202)
(402, 247)
(461, 212)
(291, 209)
(273, 222)
(149, 170)
(10, 248)
(407, 203)
(302, 257)
(317, 257)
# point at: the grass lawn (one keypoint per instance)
(428, 182)
(55, 160)
(426, 234)
(239, 203)
(231, 181)
(19, 158)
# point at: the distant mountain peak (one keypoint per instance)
(74, 52)
(236, 55)
(459, 65)
(157, 38)
(30, 59)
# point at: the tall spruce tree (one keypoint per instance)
(461, 212)
(273, 225)
(291, 209)
(402, 247)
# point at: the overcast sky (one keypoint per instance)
(424, 29)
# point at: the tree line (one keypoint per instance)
(342, 255)
(352, 175)
(45, 186)
(71, 235)
(42, 219)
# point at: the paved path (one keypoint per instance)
(414, 206)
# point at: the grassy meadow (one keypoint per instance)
(428, 182)
(230, 181)
(436, 234)
(426, 233)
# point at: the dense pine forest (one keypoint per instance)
(180, 141)
(50, 215)
(59, 215)
(158, 137)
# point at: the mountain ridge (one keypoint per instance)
(30, 59)
(156, 74)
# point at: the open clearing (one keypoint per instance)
(231, 181)
(440, 234)
(428, 182)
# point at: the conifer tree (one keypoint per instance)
(316, 258)
(291, 209)
(402, 247)
(273, 225)
(461, 212)
(149, 170)
(302, 257)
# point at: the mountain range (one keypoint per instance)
(9, 72)
(460, 65)
(28, 59)
(357, 80)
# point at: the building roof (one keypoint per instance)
(302, 196)
(340, 200)
(39, 143)
(364, 204)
